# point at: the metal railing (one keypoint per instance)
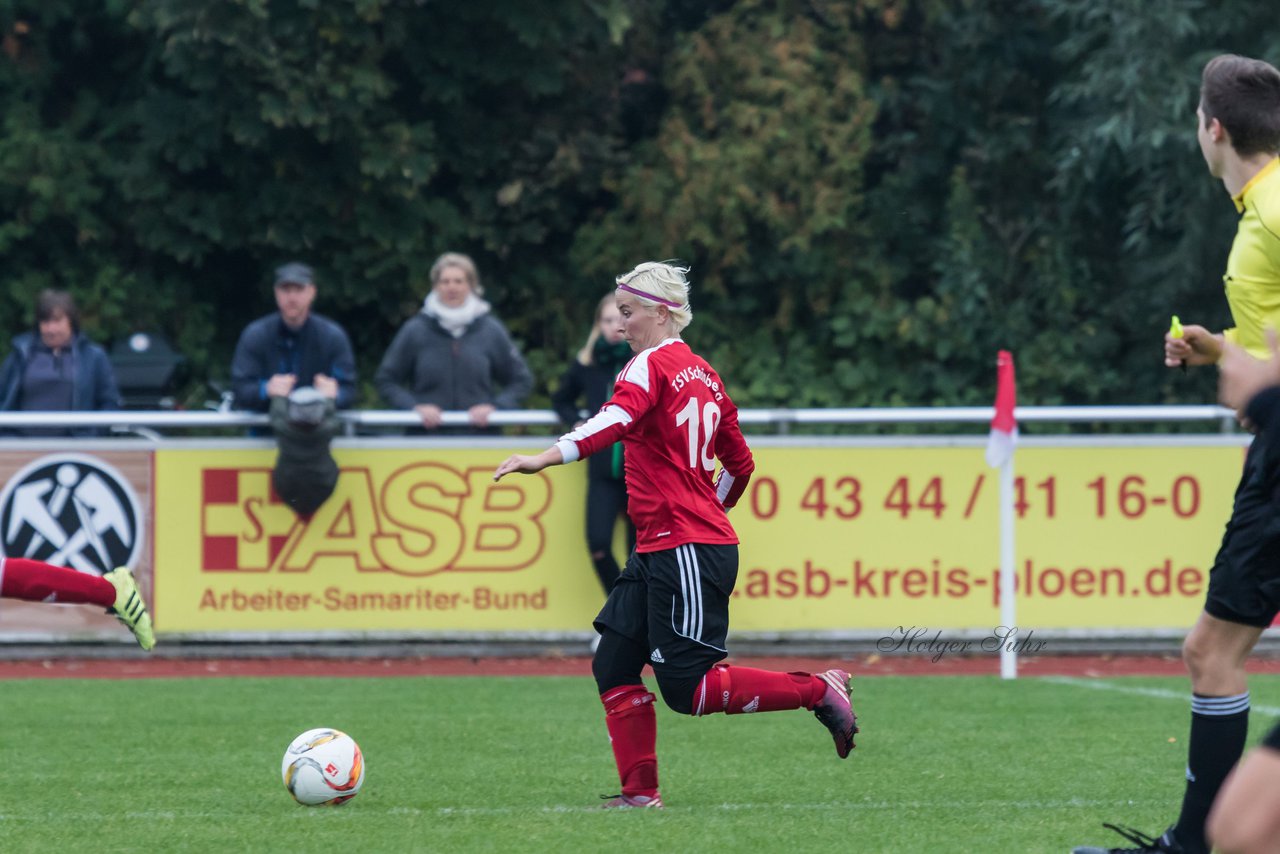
(145, 422)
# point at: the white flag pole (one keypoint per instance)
(1000, 445)
(1008, 596)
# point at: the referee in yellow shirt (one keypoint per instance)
(1238, 125)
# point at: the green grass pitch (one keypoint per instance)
(944, 764)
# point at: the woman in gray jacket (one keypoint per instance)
(453, 355)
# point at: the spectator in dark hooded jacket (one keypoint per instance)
(590, 379)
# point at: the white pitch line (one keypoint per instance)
(1161, 693)
(816, 807)
(445, 812)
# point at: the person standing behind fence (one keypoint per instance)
(57, 369)
(292, 348)
(1238, 129)
(453, 355)
(589, 378)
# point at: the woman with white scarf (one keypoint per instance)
(453, 355)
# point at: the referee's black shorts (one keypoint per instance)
(1244, 583)
(675, 603)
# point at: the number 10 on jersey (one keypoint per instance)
(702, 431)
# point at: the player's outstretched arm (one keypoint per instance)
(529, 465)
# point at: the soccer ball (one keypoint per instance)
(323, 766)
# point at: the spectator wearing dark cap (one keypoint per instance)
(305, 473)
(292, 348)
(55, 368)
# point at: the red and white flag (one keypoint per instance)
(1004, 429)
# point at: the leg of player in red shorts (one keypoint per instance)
(34, 581)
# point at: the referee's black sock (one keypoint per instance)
(1218, 729)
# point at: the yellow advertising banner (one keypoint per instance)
(834, 538)
(411, 540)
(854, 538)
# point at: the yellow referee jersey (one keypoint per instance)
(1252, 279)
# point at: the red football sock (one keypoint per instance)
(633, 730)
(736, 690)
(43, 582)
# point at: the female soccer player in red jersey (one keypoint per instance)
(670, 607)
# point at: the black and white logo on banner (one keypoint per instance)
(70, 510)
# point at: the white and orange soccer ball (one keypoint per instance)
(323, 766)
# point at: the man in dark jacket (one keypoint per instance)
(56, 368)
(292, 348)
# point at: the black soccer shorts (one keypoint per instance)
(675, 602)
(1244, 582)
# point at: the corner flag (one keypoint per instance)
(1004, 435)
(1004, 429)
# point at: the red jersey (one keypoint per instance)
(674, 418)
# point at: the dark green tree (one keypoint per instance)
(162, 157)
(754, 178)
(874, 196)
